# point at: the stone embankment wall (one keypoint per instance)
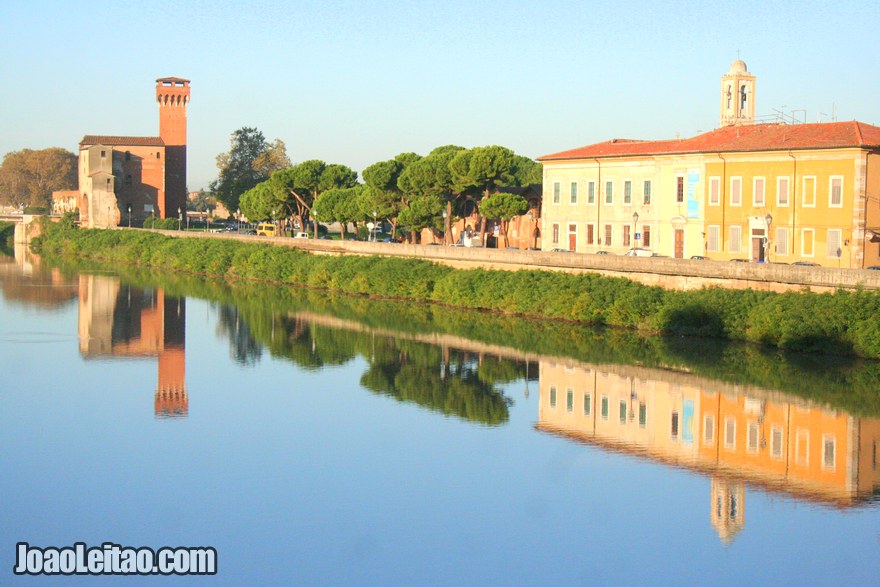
(666, 272)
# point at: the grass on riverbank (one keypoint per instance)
(841, 323)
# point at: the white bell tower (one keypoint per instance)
(737, 95)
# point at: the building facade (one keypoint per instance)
(124, 179)
(757, 192)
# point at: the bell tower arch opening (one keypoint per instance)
(737, 95)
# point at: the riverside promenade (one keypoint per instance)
(680, 274)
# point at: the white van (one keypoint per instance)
(301, 235)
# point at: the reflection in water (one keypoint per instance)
(735, 434)
(243, 349)
(25, 280)
(118, 320)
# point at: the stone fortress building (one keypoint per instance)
(124, 179)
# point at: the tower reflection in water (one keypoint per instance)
(735, 434)
(119, 320)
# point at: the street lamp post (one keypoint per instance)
(238, 217)
(128, 208)
(635, 220)
(375, 216)
(179, 219)
(445, 227)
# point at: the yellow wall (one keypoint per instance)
(807, 219)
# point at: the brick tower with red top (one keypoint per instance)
(172, 94)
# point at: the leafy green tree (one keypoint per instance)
(249, 161)
(432, 176)
(339, 205)
(385, 196)
(29, 177)
(503, 206)
(260, 203)
(422, 212)
(484, 170)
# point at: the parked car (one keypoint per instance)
(806, 264)
(740, 261)
(267, 229)
(699, 258)
(301, 235)
(873, 268)
(639, 252)
(559, 251)
(601, 253)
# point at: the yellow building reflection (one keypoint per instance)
(118, 320)
(735, 434)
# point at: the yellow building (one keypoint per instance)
(737, 436)
(777, 192)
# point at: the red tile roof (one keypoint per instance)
(114, 141)
(754, 137)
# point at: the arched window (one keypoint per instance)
(743, 91)
(729, 97)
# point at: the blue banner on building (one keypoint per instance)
(693, 204)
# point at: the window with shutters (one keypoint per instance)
(736, 191)
(782, 240)
(713, 238)
(758, 191)
(832, 243)
(782, 191)
(735, 239)
(835, 191)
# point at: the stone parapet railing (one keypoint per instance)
(663, 271)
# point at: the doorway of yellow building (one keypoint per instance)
(758, 245)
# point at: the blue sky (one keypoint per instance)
(358, 82)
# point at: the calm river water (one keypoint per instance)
(315, 439)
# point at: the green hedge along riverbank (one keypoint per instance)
(845, 322)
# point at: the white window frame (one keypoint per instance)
(552, 397)
(714, 191)
(709, 430)
(759, 181)
(729, 432)
(831, 203)
(804, 434)
(627, 183)
(713, 232)
(569, 400)
(828, 240)
(588, 404)
(557, 192)
(804, 181)
(782, 241)
(554, 233)
(752, 438)
(647, 191)
(826, 438)
(609, 193)
(604, 406)
(812, 241)
(591, 193)
(779, 181)
(776, 449)
(736, 181)
(737, 229)
(573, 192)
